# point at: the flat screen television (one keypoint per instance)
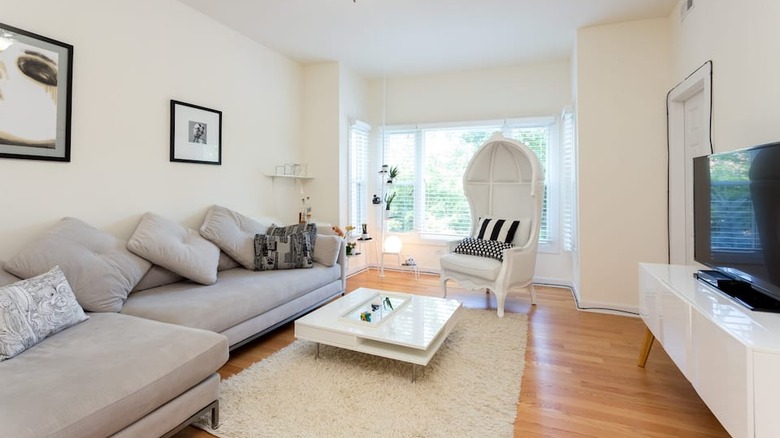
(736, 210)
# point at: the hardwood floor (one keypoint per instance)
(581, 378)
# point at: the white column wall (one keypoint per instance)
(321, 139)
(622, 80)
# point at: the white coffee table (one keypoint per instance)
(411, 329)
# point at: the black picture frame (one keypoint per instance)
(196, 134)
(36, 89)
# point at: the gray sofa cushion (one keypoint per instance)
(98, 377)
(100, 270)
(233, 233)
(158, 276)
(5, 276)
(226, 262)
(237, 296)
(327, 250)
(175, 247)
(32, 310)
(155, 277)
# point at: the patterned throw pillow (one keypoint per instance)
(502, 230)
(282, 252)
(483, 248)
(310, 228)
(33, 309)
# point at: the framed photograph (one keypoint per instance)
(36, 74)
(196, 134)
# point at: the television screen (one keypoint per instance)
(737, 215)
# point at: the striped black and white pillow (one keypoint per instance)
(502, 230)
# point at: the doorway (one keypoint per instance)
(689, 123)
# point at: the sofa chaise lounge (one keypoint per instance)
(148, 366)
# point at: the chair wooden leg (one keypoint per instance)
(646, 346)
(533, 295)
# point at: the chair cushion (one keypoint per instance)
(481, 267)
(98, 266)
(493, 249)
(175, 247)
(233, 233)
(34, 309)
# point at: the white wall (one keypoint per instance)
(741, 40)
(532, 90)
(622, 80)
(354, 104)
(321, 139)
(129, 63)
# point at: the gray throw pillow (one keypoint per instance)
(156, 277)
(327, 250)
(6, 277)
(33, 309)
(226, 262)
(175, 247)
(233, 233)
(100, 270)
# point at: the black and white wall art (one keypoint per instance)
(196, 134)
(36, 75)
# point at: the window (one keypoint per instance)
(429, 192)
(359, 133)
(569, 182)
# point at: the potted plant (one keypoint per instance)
(392, 174)
(389, 200)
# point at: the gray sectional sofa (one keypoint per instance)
(149, 366)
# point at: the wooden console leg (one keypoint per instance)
(648, 344)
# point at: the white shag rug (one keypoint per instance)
(469, 389)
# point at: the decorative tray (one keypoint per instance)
(376, 309)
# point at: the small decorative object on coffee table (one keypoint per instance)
(378, 309)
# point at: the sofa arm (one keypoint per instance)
(342, 260)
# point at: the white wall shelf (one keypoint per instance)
(296, 177)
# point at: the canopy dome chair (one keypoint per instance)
(504, 186)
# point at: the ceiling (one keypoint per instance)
(379, 38)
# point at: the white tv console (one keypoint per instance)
(730, 354)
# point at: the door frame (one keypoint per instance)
(679, 234)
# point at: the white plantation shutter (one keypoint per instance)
(359, 134)
(569, 181)
(538, 138)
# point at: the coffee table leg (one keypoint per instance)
(414, 373)
(317, 354)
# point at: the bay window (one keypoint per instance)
(432, 159)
